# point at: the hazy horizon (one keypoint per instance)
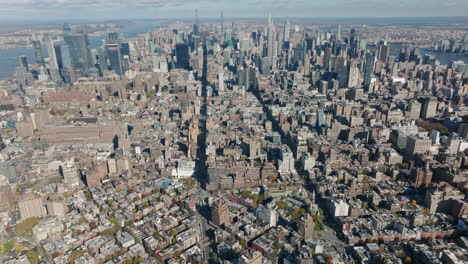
(41, 10)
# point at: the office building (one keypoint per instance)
(183, 56)
(429, 108)
(39, 53)
(114, 56)
(417, 145)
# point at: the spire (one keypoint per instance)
(270, 21)
(222, 22)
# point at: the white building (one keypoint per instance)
(184, 169)
(339, 208)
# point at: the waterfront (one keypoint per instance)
(9, 58)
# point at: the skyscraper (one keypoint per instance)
(352, 37)
(54, 71)
(368, 70)
(220, 213)
(222, 22)
(183, 56)
(429, 107)
(195, 26)
(23, 62)
(271, 43)
(53, 64)
(115, 58)
(80, 55)
(38, 52)
(383, 52)
(287, 30)
(114, 53)
(338, 35)
(102, 58)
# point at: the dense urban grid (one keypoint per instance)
(223, 142)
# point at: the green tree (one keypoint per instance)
(297, 214)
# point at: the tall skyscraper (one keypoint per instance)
(38, 52)
(53, 64)
(80, 54)
(54, 70)
(429, 107)
(287, 30)
(368, 70)
(23, 62)
(338, 35)
(114, 56)
(383, 52)
(183, 56)
(352, 37)
(222, 22)
(271, 43)
(102, 58)
(195, 26)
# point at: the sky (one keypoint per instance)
(154, 9)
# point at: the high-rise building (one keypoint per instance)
(306, 227)
(53, 64)
(23, 62)
(196, 29)
(383, 52)
(338, 34)
(114, 56)
(271, 43)
(220, 213)
(323, 87)
(354, 76)
(429, 107)
(414, 110)
(222, 22)
(320, 117)
(38, 52)
(421, 176)
(352, 37)
(368, 70)
(183, 56)
(80, 54)
(265, 66)
(287, 30)
(417, 145)
(102, 58)
(125, 48)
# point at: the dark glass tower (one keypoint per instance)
(183, 56)
(80, 55)
(369, 68)
(114, 56)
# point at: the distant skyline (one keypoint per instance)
(153, 9)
